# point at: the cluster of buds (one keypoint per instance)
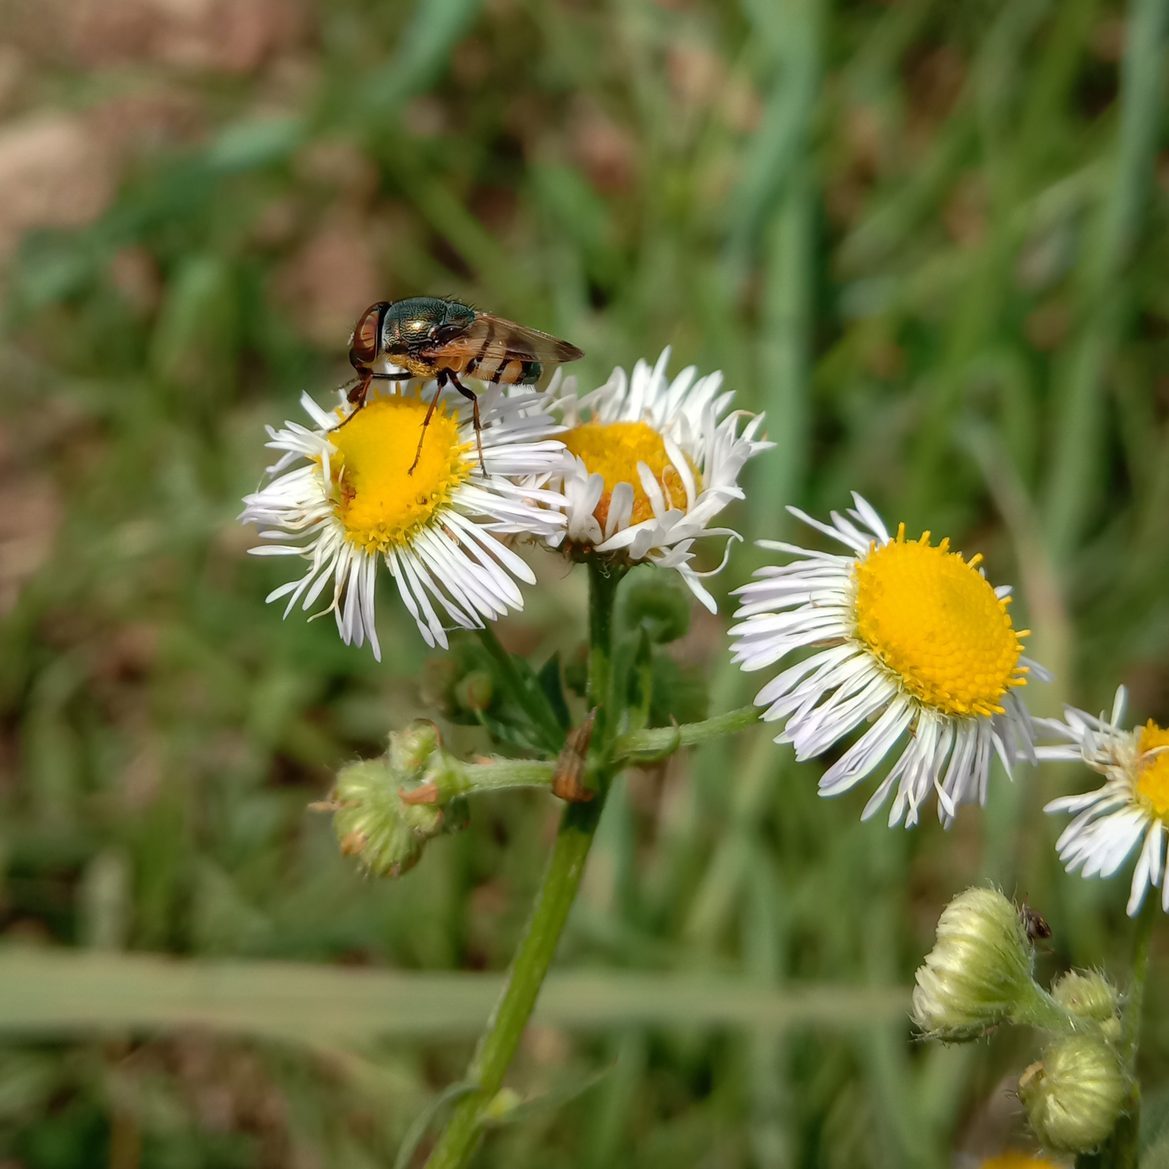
(979, 975)
(385, 810)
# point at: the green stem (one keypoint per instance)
(1134, 1003)
(497, 1046)
(1124, 1144)
(661, 741)
(636, 746)
(524, 690)
(499, 775)
(1042, 1012)
(603, 582)
(561, 881)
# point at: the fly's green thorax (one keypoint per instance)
(412, 321)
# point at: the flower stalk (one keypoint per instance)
(1123, 1146)
(558, 889)
(659, 742)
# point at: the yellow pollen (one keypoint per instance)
(378, 503)
(1153, 770)
(933, 621)
(613, 450)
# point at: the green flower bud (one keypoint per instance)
(374, 825)
(1075, 1095)
(659, 603)
(1088, 994)
(979, 970)
(474, 691)
(461, 684)
(436, 687)
(410, 751)
(385, 810)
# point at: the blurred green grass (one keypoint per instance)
(929, 240)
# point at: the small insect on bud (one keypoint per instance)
(978, 972)
(1035, 925)
(1088, 994)
(1074, 1095)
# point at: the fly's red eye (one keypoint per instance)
(366, 335)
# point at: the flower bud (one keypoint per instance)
(374, 825)
(409, 751)
(460, 685)
(436, 686)
(386, 809)
(474, 691)
(659, 603)
(1075, 1095)
(979, 970)
(1088, 994)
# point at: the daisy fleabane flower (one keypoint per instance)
(900, 636)
(1130, 808)
(342, 498)
(652, 461)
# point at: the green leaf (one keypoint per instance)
(550, 682)
(680, 693)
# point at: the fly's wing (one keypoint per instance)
(496, 350)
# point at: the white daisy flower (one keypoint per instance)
(1130, 808)
(345, 496)
(902, 637)
(653, 461)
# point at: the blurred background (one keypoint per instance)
(928, 239)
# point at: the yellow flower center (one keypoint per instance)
(934, 621)
(613, 450)
(1153, 769)
(380, 505)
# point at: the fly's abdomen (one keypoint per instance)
(505, 370)
(530, 372)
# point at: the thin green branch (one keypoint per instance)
(662, 741)
(501, 774)
(636, 747)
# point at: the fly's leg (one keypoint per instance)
(470, 395)
(439, 382)
(358, 393)
(356, 397)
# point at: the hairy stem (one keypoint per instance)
(558, 889)
(662, 741)
(1124, 1142)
